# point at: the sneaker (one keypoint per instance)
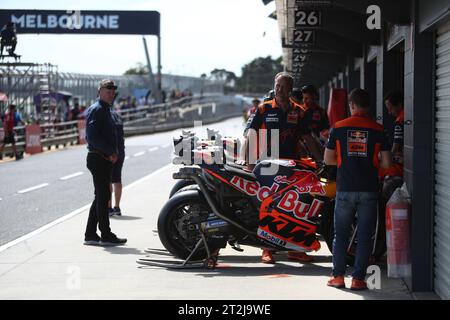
(112, 240)
(117, 211)
(267, 257)
(299, 256)
(92, 240)
(111, 212)
(336, 282)
(358, 285)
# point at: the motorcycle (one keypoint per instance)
(284, 205)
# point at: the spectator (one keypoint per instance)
(117, 167)
(10, 120)
(142, 101)
(75, 111)
(82, 113)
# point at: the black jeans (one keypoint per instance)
(101, 170)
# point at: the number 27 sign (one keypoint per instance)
(304, 37)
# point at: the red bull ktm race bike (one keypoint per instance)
(284, 205)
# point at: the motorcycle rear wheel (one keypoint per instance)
(180, 184)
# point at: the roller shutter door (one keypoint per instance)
(442, 165)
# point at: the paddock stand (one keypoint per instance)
(209, 263)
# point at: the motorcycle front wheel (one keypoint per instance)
(177, 232)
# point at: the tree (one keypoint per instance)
(140, 69)
(258, 75)
(223, 75)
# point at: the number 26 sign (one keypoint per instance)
(307, 19)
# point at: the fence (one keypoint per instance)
(142, 120)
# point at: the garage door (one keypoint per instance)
(442, 165)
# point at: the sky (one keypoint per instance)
(196, 37)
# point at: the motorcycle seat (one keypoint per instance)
(239, 170)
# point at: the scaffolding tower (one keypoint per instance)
(22, 82)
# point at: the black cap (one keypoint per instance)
(108, 84)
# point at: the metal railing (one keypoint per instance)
(57, 134)
(140, 120)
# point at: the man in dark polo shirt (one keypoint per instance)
(315, 116)
(101, 137)
(358, 146)
(279, 114)
(394, 175)
(316, 119)
(282, 114)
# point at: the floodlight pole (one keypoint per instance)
(155, 90)
(159, 79)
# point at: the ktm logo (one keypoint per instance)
(299, 233)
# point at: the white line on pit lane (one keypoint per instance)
(139, 154)
(152, 149)
(73, 175)
(76, 212)
(43, 185)
(166, 145)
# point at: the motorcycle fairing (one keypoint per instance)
(285, 231)
(295, 231)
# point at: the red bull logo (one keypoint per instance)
(301, 210)
(253, 188)
(309, 182)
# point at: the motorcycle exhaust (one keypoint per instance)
(212, 204)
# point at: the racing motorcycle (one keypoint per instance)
(284, 205)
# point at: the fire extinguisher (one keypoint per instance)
(397, 234)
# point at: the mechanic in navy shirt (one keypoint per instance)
(101, 137)
(283, 114)
(355, 145)
(279, 114)
(315, 116)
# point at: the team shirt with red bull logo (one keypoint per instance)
(358, 141)
(290, 125)
(316, 119)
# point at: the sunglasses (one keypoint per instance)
(110, 87)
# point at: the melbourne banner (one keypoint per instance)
(80, 21)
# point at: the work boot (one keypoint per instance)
(93, 240)
(336, 282)
(299, 256)
(117, 211)
(112, 240)
(358, 284)
(267, 257)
